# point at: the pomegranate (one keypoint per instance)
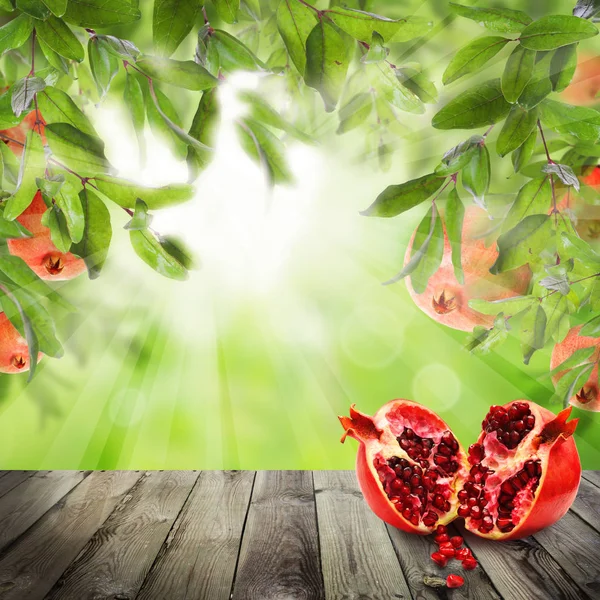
(588, 397)
(38, 251)
(446, 300)
(586, 81)
(14, 355)
(19, 133)
(454, 581)
(523, 472)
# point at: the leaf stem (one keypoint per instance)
(570, 284)
(555, 210)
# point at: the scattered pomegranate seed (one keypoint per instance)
(454, 581)
(442, 538)
(456, 541)
(448, 551)
(463, 553)
(441, 529)
(469, 564)
(440, 559)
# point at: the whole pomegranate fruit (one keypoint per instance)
(38, 251)
(446, 300)
(520, 476)
(585, 83)
(588, 397)
(19, 133)
(14, 355)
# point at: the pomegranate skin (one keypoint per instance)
(376, 436)
(42, 256)
(551, 441)
(19, 133)
(588, 397)
(446, 300)
(14, 354)
(586, 82)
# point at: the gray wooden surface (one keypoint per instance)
(270, 535)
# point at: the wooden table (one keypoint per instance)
(215, 535)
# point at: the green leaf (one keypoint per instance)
(473, 56)
(396, 199)
(57, 7)
(56, 33)
(507, 306)
(33, 165)
(556, 284)
(539, 86)
(94, 245)
(591, 329)
(517, 128)
(58, 107)
(227, 9)
(476, 107)
(179, 251)
(125, 193)
(153, 253)
(159, 120)
(415, 80)
(101, 13)
(517, 246)
(60, 63)
(103, 64)
(578, 249)
(295, 21)
(33, 8)
(8, 118)
(455, 212)
(172, 21)
(504, 20)
(384, 79)
(522, 155)
(586, 9)
(458, 157)
(554, 31)
(355, 112)
(233, 55)
(360, 24)
(204, 129)
(327, 59)
(69, 202)
(476, 175)
(556, 307)
(133, 97)
(533, 199)
(564, 173)
(579, 357)
(7, 5)
(11, 229)
(517, 73)
(579, 121)
(427, 252)
(377, 51)
(265, 148)
(50, 186)
(119, 47)
(483, 341)
(77, 149)
(15, 33)
(23, 92)
(562, 68)
(572, 381)
(10, 163)
(59, 234)
(533, 332)
(141, 219)
(181, 73)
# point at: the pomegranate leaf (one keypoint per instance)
(473, 56)
(100, 13)
(229, 54)
(355, 112)
(591, 328)
(578, 249)
(564, 173)
(508, 306)
(540, 85)
(476, 175)
(553, 31)
(103, 64)
(58, 107)
(558, 309)
(133, 97)
(517, 128)
(562, 67)
(483, 341)
(396, 199)
(517, 73)
(361, 25)
(504, 20)
(571, 382)
(459, 156)
(533, 331)
(204, 129)
(181, 73)
(33, 8)
(415, 79)
(15, 33)
(119, 47)
(180, 252)
(522, 155)
(59, 37)
(586, 9)
(172, 20)
(455, 212)
(58, 7)
(377, 51)
(227, 9)
(384, 79)
(67, 199)
(59, 234)
(578, 358)
(148, 247)
(12, 229)
(141, 219)
(579, 121)
(23, 93)
(533, 198)
(557, 284)
(295, 21)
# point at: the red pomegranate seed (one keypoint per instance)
(441, 538)
(463, 510)
(454, 581)
(469, 564)
(463, 553)
(441, 529)
(439, 558)
(448, 551)
(456, 541)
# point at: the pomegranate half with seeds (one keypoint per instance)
(522, 474)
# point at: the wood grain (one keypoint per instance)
(36, 561)
(116, 560)
(592, 477)
(357, 556)
(279, 556)
(26, 503)
(586, 504)
(11, 479)
(198, 559)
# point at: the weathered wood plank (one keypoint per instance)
(39, 557)
(523, 569)
(279, 556)
(357, 556)
(575, 546)
(414, 553)
(593, 477)
(198, 559)
(116, 560)
(26, 503)
(11, 479)
(586, 504)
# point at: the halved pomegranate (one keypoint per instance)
(523, 472)
(409, 465)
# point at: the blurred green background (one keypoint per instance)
(248, 364)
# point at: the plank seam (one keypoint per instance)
(590, 481)
(32, 473)
(320, 557)
(239, 553)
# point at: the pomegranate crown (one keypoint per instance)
(359, 426)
